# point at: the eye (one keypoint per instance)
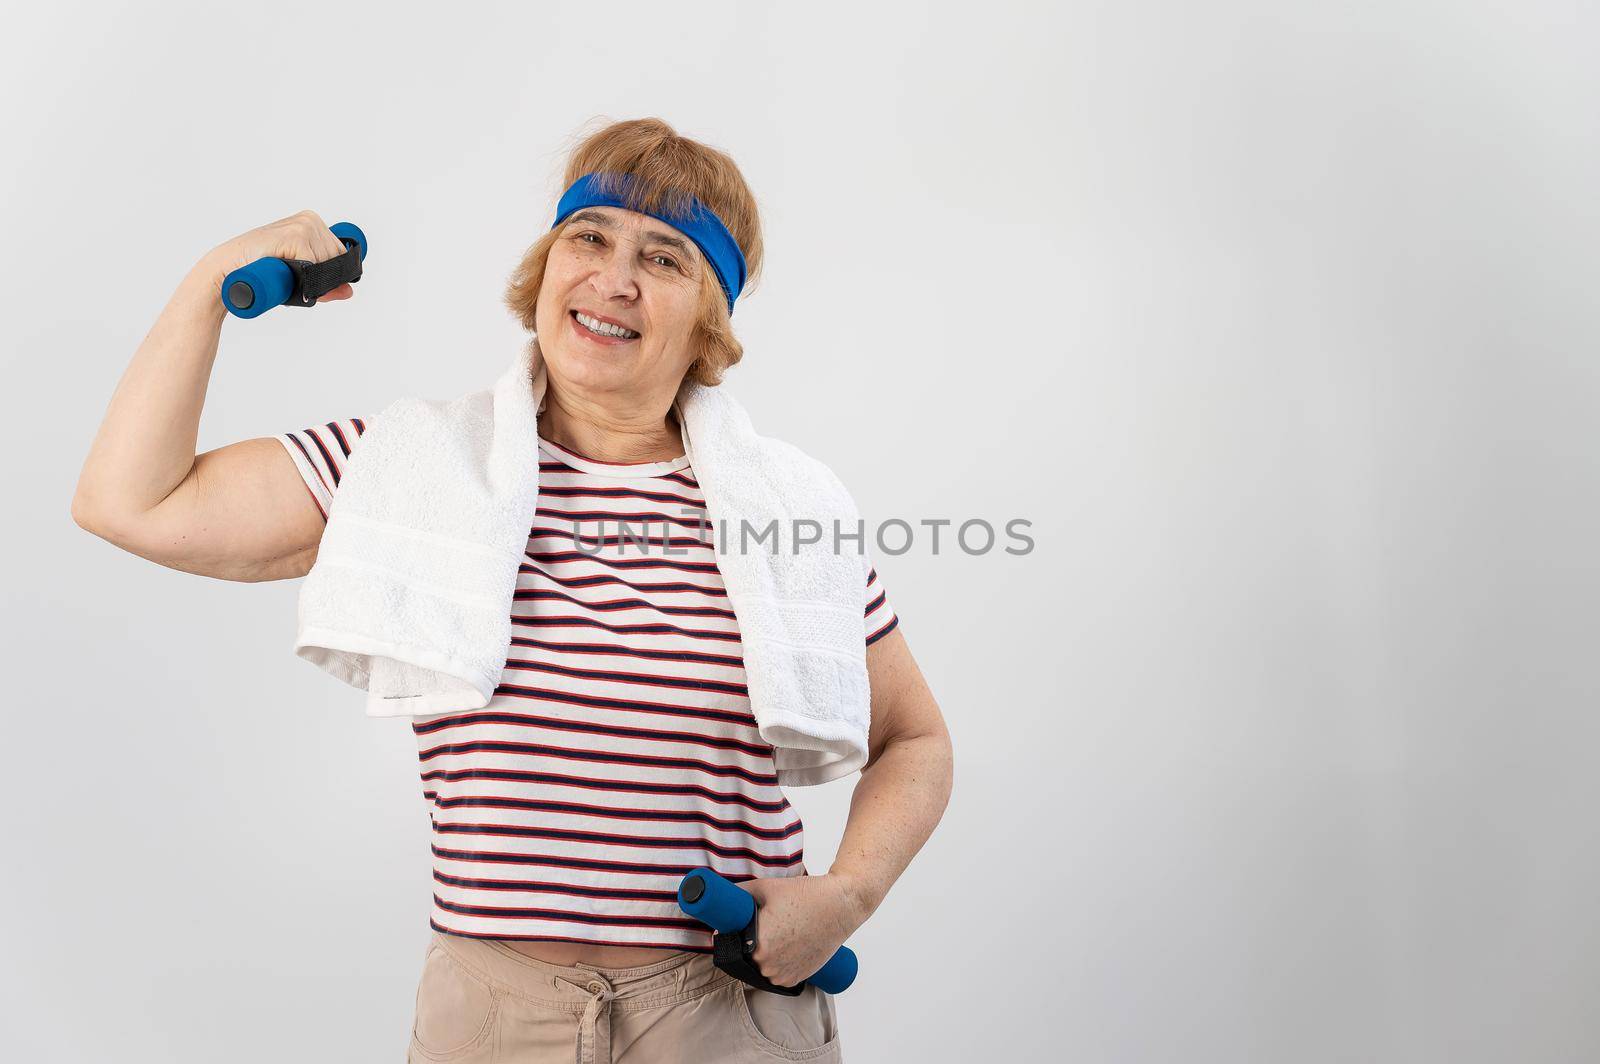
(665, 260)
(582, 236)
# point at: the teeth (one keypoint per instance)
(605, 329)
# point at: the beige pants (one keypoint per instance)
(481, 1002)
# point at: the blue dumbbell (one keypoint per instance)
(731, 910)
(257, 287)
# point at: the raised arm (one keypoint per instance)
(239, 512)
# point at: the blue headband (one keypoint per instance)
(699, 225)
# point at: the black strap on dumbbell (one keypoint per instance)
(312, 280)
(731, 950)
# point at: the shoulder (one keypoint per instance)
(785, 455)
(411, 415)
(718, 409)
(813, 489)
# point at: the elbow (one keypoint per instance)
(84, 516)
(942, 756)
(947, 766)
(935, 760)
(97, 521)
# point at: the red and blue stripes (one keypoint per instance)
(619, 751)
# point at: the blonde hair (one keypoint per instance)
(666, 171)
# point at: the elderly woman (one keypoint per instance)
(623, 752)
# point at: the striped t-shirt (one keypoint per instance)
(619, 751)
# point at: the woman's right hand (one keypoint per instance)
(239, 512)
(299, 236)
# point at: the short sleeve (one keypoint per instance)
(881, 618)
(320, 454)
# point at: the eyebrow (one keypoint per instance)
(607, 222)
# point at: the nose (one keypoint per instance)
(614, 279)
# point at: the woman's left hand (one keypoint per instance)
(803, 921)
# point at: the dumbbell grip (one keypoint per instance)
(726, 906)
(257, 287)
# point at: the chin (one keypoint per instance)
(595, 367)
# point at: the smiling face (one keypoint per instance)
(618, 305)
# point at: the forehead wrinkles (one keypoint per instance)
(606, 220)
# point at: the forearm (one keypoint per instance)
(146, 442)
(896, 805)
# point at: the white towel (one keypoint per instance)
(410, 597)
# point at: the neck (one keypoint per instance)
(647, 433)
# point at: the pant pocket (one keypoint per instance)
(801, 1027)
(455, 1012)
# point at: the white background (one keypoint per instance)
(1278, 321)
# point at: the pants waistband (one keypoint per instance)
(590, 991)
(679, 976)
